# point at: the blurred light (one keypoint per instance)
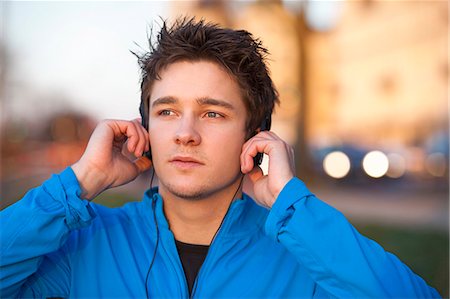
(321, 15)
(336, 164)
(415, 159)
(436, 164)
(375, 164)
(397, 166)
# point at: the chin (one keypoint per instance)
(196, 187)
(189, 192)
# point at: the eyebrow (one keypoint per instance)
(214, 102)
(201, 101)
(164, 100)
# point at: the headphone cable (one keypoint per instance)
(157, 237)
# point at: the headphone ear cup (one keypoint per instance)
(257, 160)
(265, 126)
(144, 122)
(144, 118)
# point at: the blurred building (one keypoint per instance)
(30, 152)
(365, 75)
(380, 76)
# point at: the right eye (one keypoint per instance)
(166, 112)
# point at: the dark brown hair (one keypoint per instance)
(237, 51)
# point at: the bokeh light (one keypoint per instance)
(397, 165)
(336, 164)
(375, 164)
(436, 164)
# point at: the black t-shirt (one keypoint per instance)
(192, 257)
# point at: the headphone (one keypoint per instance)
(257, 160)
(144, 123)
(265, 126)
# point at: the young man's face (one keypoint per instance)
(197, 129)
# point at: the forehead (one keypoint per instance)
(189, 81)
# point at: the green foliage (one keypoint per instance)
(424, 251)
(113, 200)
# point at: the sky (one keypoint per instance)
(76, 54)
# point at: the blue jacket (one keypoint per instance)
(55, 245)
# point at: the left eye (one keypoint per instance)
(165, 112)
(213, 114)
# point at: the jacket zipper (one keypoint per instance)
(210, 251)
(173, 257)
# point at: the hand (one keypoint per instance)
(105, 164)
(266, 188)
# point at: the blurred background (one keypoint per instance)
(363, 87)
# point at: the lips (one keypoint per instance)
(185, 159)
(185, 162)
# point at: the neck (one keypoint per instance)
(196, 221)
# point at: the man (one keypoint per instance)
(206, 102)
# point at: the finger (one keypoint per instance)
(261, 136)
(140, 146)
(147, 139)
(255, 174)
(247, 155)
(144, 131)
(142, 164)
(124, 131)
(131, 131)
(246, 163)
(254, 147)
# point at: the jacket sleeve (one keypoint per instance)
(33, 231)
(341, 261)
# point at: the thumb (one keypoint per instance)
(255, 174)
(142, 164)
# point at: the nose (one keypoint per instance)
(187, 133)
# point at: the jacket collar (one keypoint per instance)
(243, 217)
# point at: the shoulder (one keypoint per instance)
(109, 224)
(124, 214)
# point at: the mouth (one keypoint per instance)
(185, 162)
